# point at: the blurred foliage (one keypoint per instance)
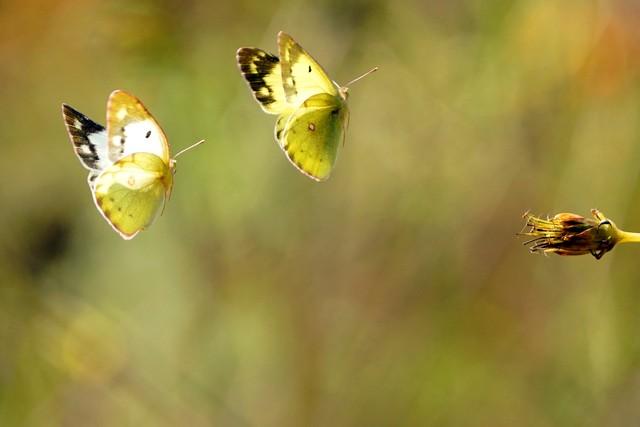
(394, 294)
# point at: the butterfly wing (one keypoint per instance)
(132, 129)
(302, 76)
(132, 191)
(263, 73)
(313, 133)
(281, 124)
(89, 141)
(312, 111)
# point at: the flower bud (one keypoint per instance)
(571, 234)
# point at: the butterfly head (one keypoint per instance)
(344, 92)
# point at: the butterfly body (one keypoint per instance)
(130, 170)
(312, 109)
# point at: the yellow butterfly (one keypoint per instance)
(130, 168)
(312, 109)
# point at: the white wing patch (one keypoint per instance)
(132, 129)
(136, 137)
(89, 141)
(100, 144)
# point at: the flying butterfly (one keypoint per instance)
(312, 109)
(130, 167)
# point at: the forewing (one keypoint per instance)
(132, 129)
(89, 139)
(313, 134)
(302, 76)
(263, 73)
(130, 193)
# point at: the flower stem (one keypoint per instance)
(628, 237)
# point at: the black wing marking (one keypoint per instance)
(262, 71)
(89, 139)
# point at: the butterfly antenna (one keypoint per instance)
(188, 148)
(374, 69)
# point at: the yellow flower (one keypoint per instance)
(571, 234)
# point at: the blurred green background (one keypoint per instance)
(396, 293)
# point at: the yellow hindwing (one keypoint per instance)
(132, 191)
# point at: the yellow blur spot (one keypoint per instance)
(91, 349)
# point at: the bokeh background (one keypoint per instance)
(395, 294)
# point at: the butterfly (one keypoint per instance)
(312, 109)
(130, 167)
